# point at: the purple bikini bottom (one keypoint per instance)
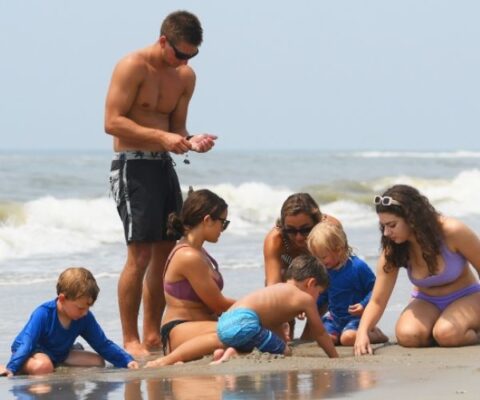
(442, 302)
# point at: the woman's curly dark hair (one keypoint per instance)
(196, 207)
(423, 220)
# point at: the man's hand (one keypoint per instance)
(176, 143)
(202, 143)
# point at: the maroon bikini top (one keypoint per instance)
(182, 289)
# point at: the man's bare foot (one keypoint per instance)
(136, 349)
(377, 336)
(220, 355)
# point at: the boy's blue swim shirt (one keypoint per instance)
(44, 333)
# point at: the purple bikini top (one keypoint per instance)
(454, 264)
(182, 289)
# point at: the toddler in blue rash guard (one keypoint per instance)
(48, 337)
(350, 289)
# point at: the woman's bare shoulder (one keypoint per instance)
(274, 238)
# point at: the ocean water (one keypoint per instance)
(55, 211)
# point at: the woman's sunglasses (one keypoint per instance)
(385, 201)
(225, 222)
(293, 231)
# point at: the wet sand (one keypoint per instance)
(393, 372)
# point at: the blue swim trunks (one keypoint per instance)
(241, 329)
(336, 326)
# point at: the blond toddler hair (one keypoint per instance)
(330, 237)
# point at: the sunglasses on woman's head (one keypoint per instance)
(385, 201)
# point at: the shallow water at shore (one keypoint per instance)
(291, 385)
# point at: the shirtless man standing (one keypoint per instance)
(146, 112)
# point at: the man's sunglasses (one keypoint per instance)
(385, 201)
(225, 222)
(293, 231)
(180, 54)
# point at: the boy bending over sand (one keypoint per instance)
(259, 319)
(48, 337)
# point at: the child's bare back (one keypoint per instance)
(276, 304)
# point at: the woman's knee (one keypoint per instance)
(408, 336)
(447, 334)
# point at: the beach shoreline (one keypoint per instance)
(393, 371)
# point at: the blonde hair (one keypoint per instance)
(330, 237)
(76, 282)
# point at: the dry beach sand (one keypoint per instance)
(393, 372)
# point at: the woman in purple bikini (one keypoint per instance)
(192, 281)
(437, 252)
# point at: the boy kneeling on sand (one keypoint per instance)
(259, 320)
(48, 337)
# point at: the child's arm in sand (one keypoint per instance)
(5, 372)
(318, 330)
(382, 290)
(95, 336)
(26, 341)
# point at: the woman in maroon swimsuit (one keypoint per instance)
(437, 252)
(192, 282)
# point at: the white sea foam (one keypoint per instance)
(414, 154)
(53, 226)
(59, 226)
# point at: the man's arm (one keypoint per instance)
(200, 143)
(126, 80)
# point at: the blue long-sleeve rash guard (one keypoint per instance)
(45, 334)
(351, 284)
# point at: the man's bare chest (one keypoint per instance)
(159, 94)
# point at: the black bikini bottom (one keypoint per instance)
(165, 332)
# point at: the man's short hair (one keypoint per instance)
(182, 26)
(76, 282)
(307, 266)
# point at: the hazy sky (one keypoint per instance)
(314, 74)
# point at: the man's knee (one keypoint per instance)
(139, 255)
